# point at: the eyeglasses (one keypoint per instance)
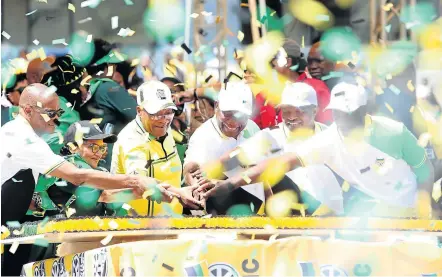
(168, 116)
(97, 148)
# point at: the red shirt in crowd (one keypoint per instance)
(267, 116)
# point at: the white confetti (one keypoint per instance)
(29, 13)
(87, 3)
(6, 35)
(113, 225)
(17, 181)
(36, 42)
(194, 15)
(68, 104)
(126, 206)
(14, 247)
(89, 38)
(106, 240)
(84, 20)
(114, 21)
(59, 41)
(206, 13)
(99, 73)
(70, 212)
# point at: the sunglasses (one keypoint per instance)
(53, 113)
(97, 148)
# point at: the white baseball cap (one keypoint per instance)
(347, 97)
(236, 96)
(298, 95)
(155, 96)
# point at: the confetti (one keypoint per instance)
(61, 183)
(17, 181)
(437, 192)
(36, 42)
(74, 91)
(18, 232)
(110, 71)
(378, 90)
(394, 89)
(43, 1)
(218, 19)
(388, 28)
(59, 41)
(323, 17)
(154, 258)
(85, 80)
(424, 139)
(234, 153)
(246, 178)
(175, 169)
(45, 117)
(387, 7)
(126, 206)
(13, 224)
(29, 13)
(71, 7)
(351, 65)
(345, 186)
(84, 20)
(88, 3)
(194, 15)
(89, 38)
(389, 108)
(41, 242)
(14, 247)
(388, 76)
(240, 36)
(96, 120)
(128, 2)
(113, 225)
(410, 85)
(412, 109)
(70, 212)
(273, 237)
(41, 53)
(252, 207)
(6, 35)
(168, 267)
(106, 240)
(186, 48)
(206, 13)
(44, 221)
(114, 22)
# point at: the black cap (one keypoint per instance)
(94, 132)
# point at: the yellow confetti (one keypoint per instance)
(240, 36)
(32, 55)
(218, 19)
(345, 186)
(388, 76)
(135, 62)
(273, 237)
(45, 117)
(244, 5)
(14, 247)
(378, 90)
(389, 108)
(437, 191)
(74, 91)
(387, 7)
(412, 109)
(274, 172)
(246, 178)
(71, 7)
(70, 212)
(113, 225)
(106, 240)
(60, 138)
(41, 53)
(96, 120)
(280, 204)
(85, 80)
(410, 85)
(303, 42)
(214, 170)
(110, 71)
(424, 139)
(253, 237)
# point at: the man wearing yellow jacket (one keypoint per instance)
(146, 146)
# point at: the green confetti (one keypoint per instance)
(128, 2)
(337, 44)
(44, 221)
(204, 247)
(362, 270)
(13, 224)
(247, 134)
(41, 242)
(263, 19)
(254, 253)
(323, 17)
(294, 67)
(252, 207)
(394, 89)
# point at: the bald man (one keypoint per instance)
(25, 155)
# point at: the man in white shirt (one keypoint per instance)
(230, 127)
(377, 155)
(299, 106)
(24, 155)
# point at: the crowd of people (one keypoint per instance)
(98, 140)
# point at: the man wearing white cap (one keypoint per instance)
(299, 106)
(145, 146)
(230, 127)
(377, 155)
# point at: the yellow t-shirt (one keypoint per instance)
(138, 152)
